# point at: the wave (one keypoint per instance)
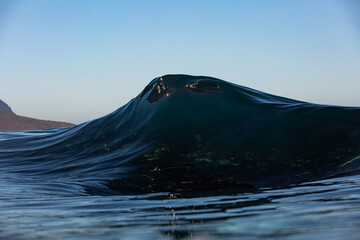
(192, 133)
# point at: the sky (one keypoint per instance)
(72, 60)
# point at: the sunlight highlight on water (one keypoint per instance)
(189, 158)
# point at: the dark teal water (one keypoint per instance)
(190, 157)
(326, 209)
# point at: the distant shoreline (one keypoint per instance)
(13, 122)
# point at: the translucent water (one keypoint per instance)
(190, 157)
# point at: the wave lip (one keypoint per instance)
(193, 133)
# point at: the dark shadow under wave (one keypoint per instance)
(192, 133)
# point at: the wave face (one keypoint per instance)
(191, 133)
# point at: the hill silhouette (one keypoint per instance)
(9, 121)
(5, 107)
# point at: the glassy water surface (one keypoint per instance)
(325, 209)
(190, 157)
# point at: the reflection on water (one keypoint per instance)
(328, 209)
(189, 157)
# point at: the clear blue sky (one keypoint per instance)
(78, 60)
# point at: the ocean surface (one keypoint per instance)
(190, 157)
